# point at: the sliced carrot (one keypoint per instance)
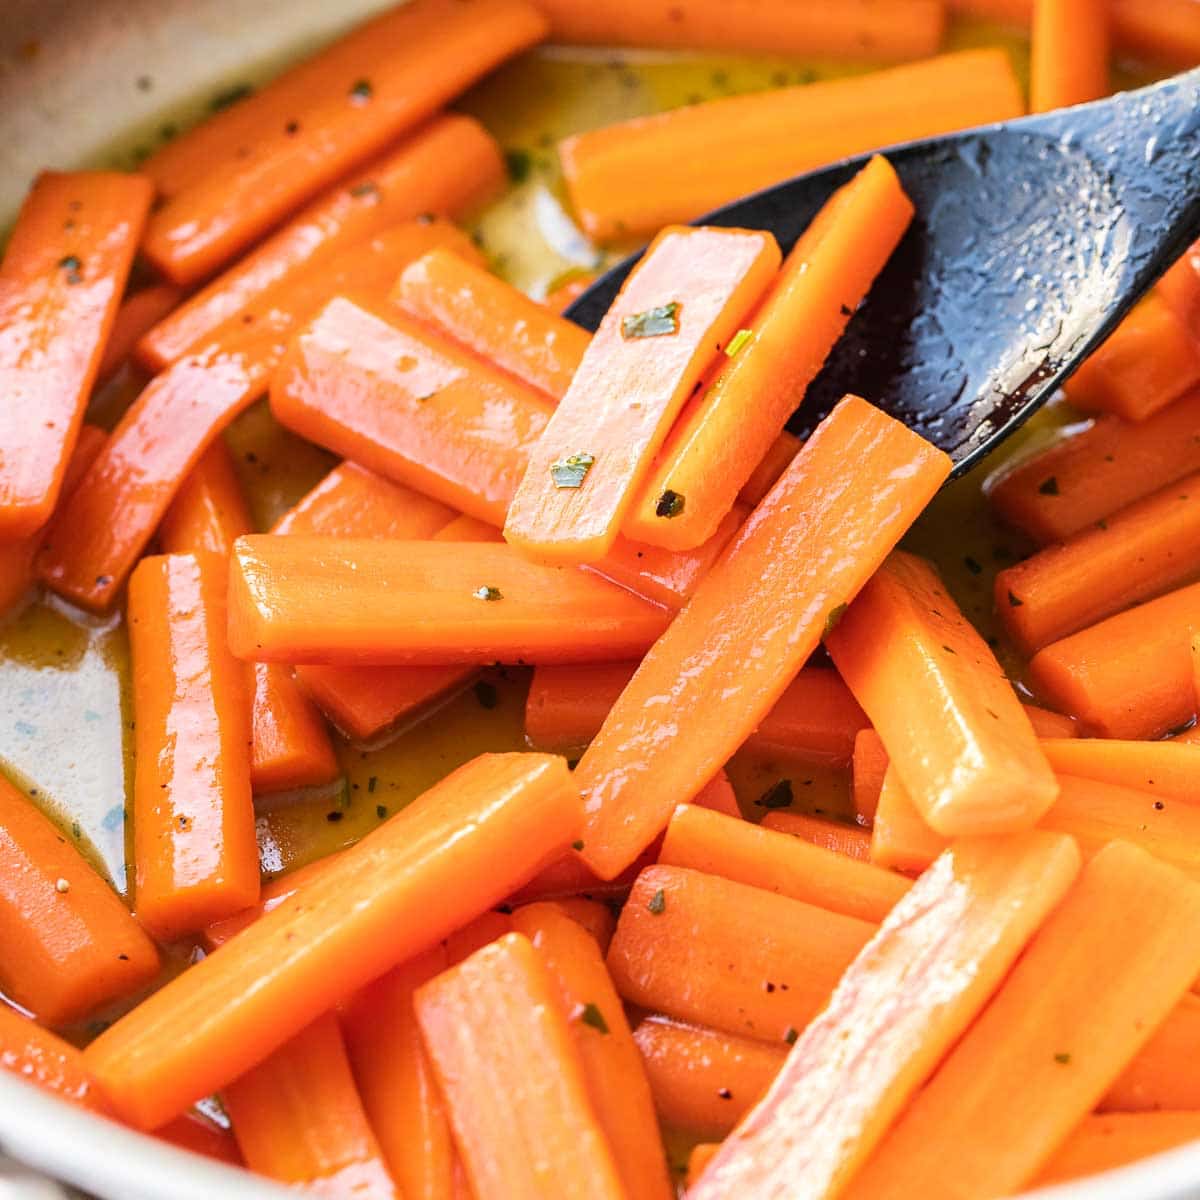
(903, 1003)
(613, 1071)
(140, 312)
(788, 866)
(67, 943)
(406, 64)
(453, 853)
(620, 190)
(835, 836)
(448, 167)
(900, 838)
(718, 796)
(955, 732)
(727, 427)
(197, 1133)
(569, 876)
(867, 770)
(719, 953)
(593, 916)
(562, 295)
(1168, 770)
(209, 511)
(486, 928)
(1102, 1143)
(699, 1157)
(1162, 1075)
(1180, 287)
(1047, 724)
(61, 281)
(1069, 61)
(1107, 967)
(545, 1139)
(772, 464)
(43, 1058)
(1165, 31)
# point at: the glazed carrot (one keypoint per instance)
(1150, 360)
(763, 858)
(43, 1058)
(1180, 287)
(1069, 60)
(1047, 724)
(67, 943)
(1013, 12)
(726, 428)
(448, 167)
(482, 931)
(1102, 1143)
(347, 601)
(298, 1118)
(957, 736)
(140, 312)
(699, 1157)
(718, 796)
(772, 464)
(569, 876)
(209, 511)
(613, 1071)
(620, 189)
(867, 769)
(591, 915)
(545, 1140)
(1129, 676)
(900, 839)
(195, 1132)
(1107, 967)
(1161, 1076)
(195, 851)
(61, 281)
(903, 1003)
(407, 63)
(1084, 477)
(835, 836)
(1168, 770)
(704, 1081)
(453, 853)
(719, 953)
(562, 295)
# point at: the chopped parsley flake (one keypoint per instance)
(831, 622)
(670, 504)
(658, 903)
(589, 1014)
(519, 163)
(570, 472)
(778, 795)
(577, 844)
(790, 1036)
(654, 322)
(738, 340)
(362, 91)
(1049, 487)
(1014, 601)
(487, 592)
(1062, 1058)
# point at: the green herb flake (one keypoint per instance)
(372, 783)
(570, 472)
(778, 795)
(368, 187)
(589, 1014)
(577, 844)
(790, 1036)
(486, 694)
(1049, 486)
(519, 163)
(362, 91)
(973, 565)
(229, 96)
(660, 321)
(487, 592)
(1062, 1058)
(381, 811)
(73, 265)
(738, 340)
(833, 620)
(1014, 601)
(658, 903)
(670, 504)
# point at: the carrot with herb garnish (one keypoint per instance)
(772, 464)
(1069, 59)
(43, 1058)
(140, 312)
(1102, 1142)
(835, 836)
(1180, 287)
(61, 281)
(867, 769)
(1162, 1075)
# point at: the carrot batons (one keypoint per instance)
(1163, 769)
(1180, 287)
(140, 312)
(867, 769)
(67, 943)
(772, 464)
(836, 836)
(1162, 1075)
(545, 1139)
(898, 1009)
(1160, 30)
(1104, 1142)
(1107, 967)
(619, 188)
(61, 281)
(209, 511)
(43, 1058)
(1069, 53)
(727, 428)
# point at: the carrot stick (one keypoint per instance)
(67, 943)
(1150, 360)
(620, 190)
(1106, 968)
(777, 590)
(209, 511)
(1085, 477)
(590, 915)
(195, 850)
(900, 838)
(449, 167)
(43, 1058)
(719, 953)
(1102, 1143)
(546, 1139)
(61, 281)
(704, 1081)
(1069, 63)
(1166, 31)
(867, 770)
(292, 144)
(1162, 1075)
(718, 796)
(298, 1118)
(613, 1071)
(197, 1133)
(1180, 287)
(835, 836)
(1168, 770)
(333, 600)
(453, 853)
(1047, 724)
(772, 464)
(139, 313)
(788, 866)
(562, 295)
(569, 876)
(903, 1003)
(727, 428)
(486, 928)
(699, 1157)
(949, 718)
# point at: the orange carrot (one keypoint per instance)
(43, 1058)
(772, 464)
(67, 943)
(546, 1139)
(569, 876)
(486, 928)
(867, 770)
(563, 294)
(298, 1118)
(453, 853)
(1047, 724)
(591, 915)
(619, 188)
(381, 81)
(776, 585)
(612, 1067)
(1162, 1075)
(900, 838)
(448, 167)
(903, 1003)
(700, 1155)
(955, 732)
(209, 511)
(1069, 62)
(1180, 287)
(718, 796)
(1168, 770)
(61, 281)
(787, 866)
(727, 427)
(140, 312)
(1106, 968)
(835, 836)
(1102, 1143)
(195, 1132)
(719, 953)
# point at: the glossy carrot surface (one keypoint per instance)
(1104, 1142)
(209, 511)
(140, 312)
(1070, 53)
(1160, 1077)
(46, 1060)
(836, 836)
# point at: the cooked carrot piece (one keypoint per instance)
(849, 840)
(43, 1058)
(903, 1003)
(867, 769)
(777, 590)
(772, 464)
(719, 953)
(1180, 287)
(732, 422)
(195, 1132)
(350, 107)
(61, 281)
(955, 732)
(1168, 770)
(1150, 360)
(67, 943)
(718, 796)
(486, 928)
(545, 1140)
(1106, 968)
(591, 915)
(1069, 53)
(562, 295)
(1162, 1076)
(699, 1157)
(1166, 31)
(209, 511)
(620, 190)
(139, 313)
(1102, 1143)
(900, 838)
(298, 1118)
(613, 1071)
(453, 853)
(569, 876)
(767, 859)
(448, 168)
(704, 1081)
